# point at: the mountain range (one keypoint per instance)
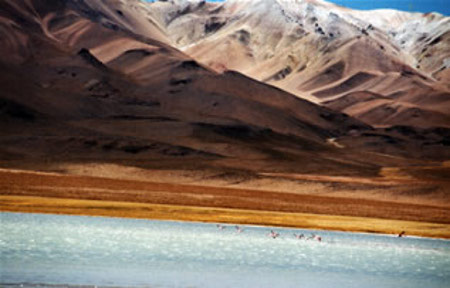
(384, 67)
(257, 86)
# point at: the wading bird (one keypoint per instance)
(299, 236)
(273, 234)
(220, 226)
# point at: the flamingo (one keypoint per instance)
(220, 226)
(273, 234)
(315, 237)
(300, 236)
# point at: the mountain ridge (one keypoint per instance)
(288, 44)
(80, 87)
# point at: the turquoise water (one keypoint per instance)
(59, 251)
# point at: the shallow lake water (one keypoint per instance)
(39, 250)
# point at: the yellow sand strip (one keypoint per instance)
(206, 214)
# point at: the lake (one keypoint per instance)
(70, 251)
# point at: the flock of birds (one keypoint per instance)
(274, 234)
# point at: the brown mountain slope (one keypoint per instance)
(81, 96)
(319, 51)
(77, 90)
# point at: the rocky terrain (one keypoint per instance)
(325, 53)
(295, 96)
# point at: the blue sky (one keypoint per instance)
(441, 6)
